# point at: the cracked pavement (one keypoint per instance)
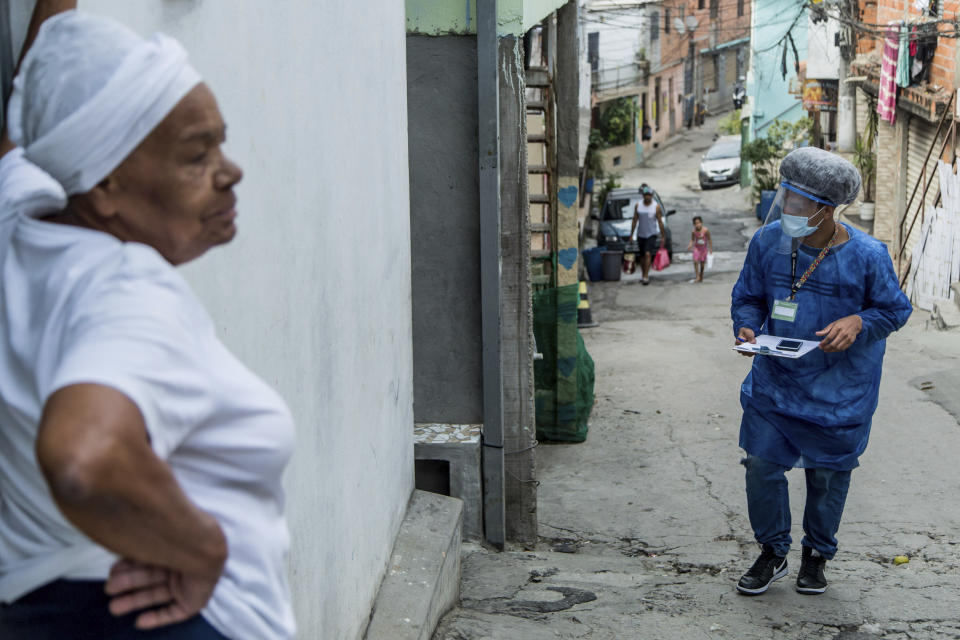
(643, 527)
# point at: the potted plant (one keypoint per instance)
(764, 155)
(866, 161)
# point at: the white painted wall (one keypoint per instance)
(585, 96)
(314, 294)
(622, 34)
(823, 55)
(624, 31)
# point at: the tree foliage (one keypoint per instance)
(765, 153)
(616, 123)
(729, 125)
(612, 182)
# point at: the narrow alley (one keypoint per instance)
(643, 530)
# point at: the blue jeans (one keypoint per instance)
(78, 610)
(768, 503)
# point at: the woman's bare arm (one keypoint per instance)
(94, 451)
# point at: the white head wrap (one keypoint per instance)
(88, 92)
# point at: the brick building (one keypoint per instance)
(908, 148)
(699, 48)
(663, 54)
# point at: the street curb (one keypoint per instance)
(423, 578)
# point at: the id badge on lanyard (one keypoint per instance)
(786, 310)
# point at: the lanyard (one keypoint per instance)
(794, 284)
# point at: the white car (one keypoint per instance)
(720, 165)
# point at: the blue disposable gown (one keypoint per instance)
(815, 411)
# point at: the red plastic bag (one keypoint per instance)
(662, 260)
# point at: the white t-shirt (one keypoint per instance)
(77, 306)
(647, 220)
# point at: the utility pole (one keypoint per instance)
(846, 105)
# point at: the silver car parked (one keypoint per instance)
(721, 163)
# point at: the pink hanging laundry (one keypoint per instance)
(887, 98)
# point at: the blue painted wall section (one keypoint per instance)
(768, 91)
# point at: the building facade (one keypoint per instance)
(672, 57)
(916, 131)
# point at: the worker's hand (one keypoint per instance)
(746, 335)
(161, 596)
(840, 334)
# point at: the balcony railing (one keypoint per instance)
(607, 79)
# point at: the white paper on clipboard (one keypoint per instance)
(771, 342)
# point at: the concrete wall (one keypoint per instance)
(631, 155)
(445, 228)
(823, 56)
(445, 239)
(314, 294)
(451, 17)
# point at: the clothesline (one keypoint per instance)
(905, 62)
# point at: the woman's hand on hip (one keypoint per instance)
(162, 596)
(840, 334)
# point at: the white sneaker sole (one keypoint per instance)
(782, 571)
(810, 590)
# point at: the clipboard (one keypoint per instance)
(767, 346)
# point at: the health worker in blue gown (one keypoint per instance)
(808, 276)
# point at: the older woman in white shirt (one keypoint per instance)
(140, 462)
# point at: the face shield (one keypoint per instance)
(799, 214)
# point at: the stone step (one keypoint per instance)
(423, 578)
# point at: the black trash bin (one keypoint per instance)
(612, 265)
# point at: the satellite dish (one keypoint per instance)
(692, 22)
(679, 26)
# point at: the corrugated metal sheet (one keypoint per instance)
(920, 137)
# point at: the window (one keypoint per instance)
(666, 20)
(739, 8)
(714, 9)
(700, 4)
(654, 26)
(593, 50)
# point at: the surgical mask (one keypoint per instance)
(796, 226)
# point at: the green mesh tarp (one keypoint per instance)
(563, 380)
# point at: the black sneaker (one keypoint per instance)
(811, 580)
(768, 567)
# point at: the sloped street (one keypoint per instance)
(643, 527)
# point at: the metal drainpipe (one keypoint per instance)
(488, 102)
